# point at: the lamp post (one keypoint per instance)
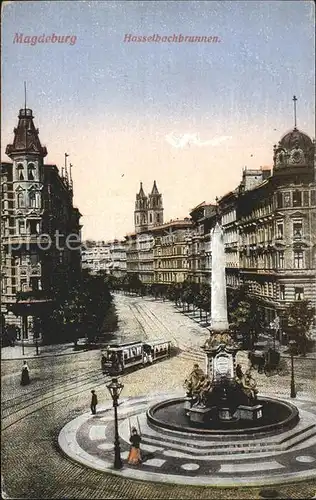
(292, 344)
(115, 389)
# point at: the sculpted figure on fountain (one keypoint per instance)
(192, 383)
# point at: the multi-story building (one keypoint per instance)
(40, 230)
(96, 256)
(118, 259)
(203, 220)
(277, 227)
(171, 264)
(269, 224)
(106, 256)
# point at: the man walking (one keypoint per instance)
(94, 402)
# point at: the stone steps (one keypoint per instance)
(209, 445)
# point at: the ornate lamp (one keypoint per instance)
(115, 388)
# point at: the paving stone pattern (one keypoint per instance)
(33, 465)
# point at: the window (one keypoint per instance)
(297, 199)
(280, 259)
(279, 230)
(150, 218)
(34, 284)
(287, 199)
(306, 198)
(299, 293)
(298, 259)
(32, 199)
(297, 230)
(158, 218)
(313, 197)
(279, 200)
(20, 172)
(21, 227)
(20, 200)
(282, 292)
(23, 285)
(33, 227)
(30, 171)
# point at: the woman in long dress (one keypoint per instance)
(25, 377)
(134, 456)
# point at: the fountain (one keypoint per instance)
(220, 433)
(224, 400)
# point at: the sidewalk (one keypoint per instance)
(10, 353)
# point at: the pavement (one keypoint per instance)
(18, 352)
(175, 459)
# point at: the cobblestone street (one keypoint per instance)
(33, 466)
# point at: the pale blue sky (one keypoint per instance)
(102, 91)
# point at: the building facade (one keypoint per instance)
(40, 229)
(269, 224)
(96, 256)
(171, 245)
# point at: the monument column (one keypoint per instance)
(219, 318)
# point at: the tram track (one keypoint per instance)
(184, 347)
(15, 409)
(39, 402)
(30, 394)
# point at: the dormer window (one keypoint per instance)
(30, 171)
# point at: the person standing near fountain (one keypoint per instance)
(134, 456)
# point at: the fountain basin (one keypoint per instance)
(278, 416)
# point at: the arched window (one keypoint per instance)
(20, 200)
(32, 199)
(20, 172)
(30, 171)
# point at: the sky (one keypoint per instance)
(189, 115)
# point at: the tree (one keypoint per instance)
(299, 318)
(83, 311)
(245, 316)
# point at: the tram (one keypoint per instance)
(118, 357)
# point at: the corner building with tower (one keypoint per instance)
(37, 202)
(269, 224)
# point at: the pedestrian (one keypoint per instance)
(150, 356)
(94, 402)
(134, 456)
(25, 376)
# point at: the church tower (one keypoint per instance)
(141, 211)
(155, 208)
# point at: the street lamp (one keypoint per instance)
(115, 389)
(292, 344)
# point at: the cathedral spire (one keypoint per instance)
(154, 189)
(141, 193)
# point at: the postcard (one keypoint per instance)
(158, 235)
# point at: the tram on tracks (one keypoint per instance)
(116, 358)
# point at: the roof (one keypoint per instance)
(296, 138)
(26, 139)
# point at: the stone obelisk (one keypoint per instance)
(219, 318)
